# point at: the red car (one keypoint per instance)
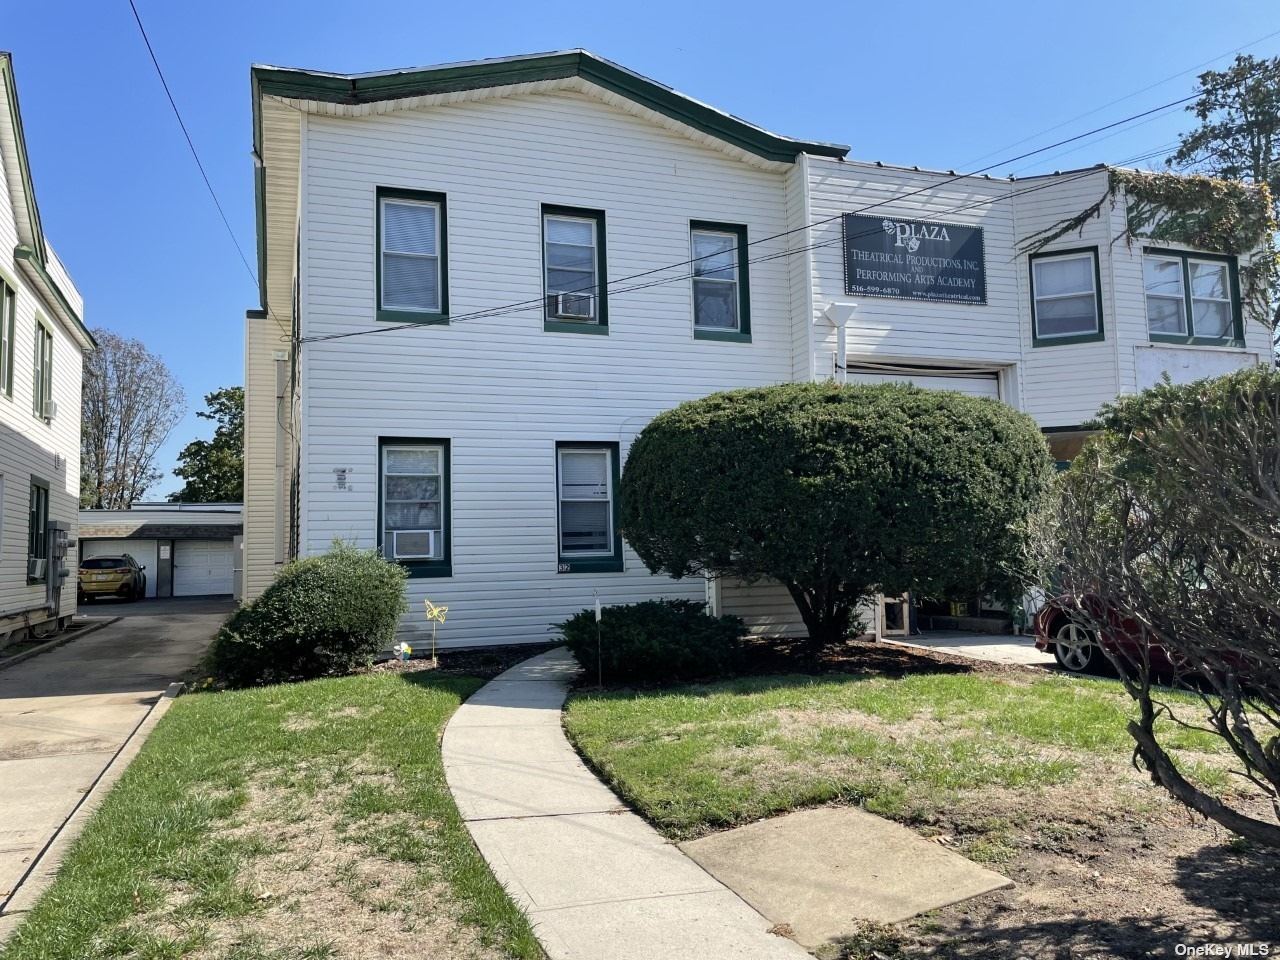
(1062, 630)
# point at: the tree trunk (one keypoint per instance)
(825, 615)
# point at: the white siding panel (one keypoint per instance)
(765, 607)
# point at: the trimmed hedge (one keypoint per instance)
(656, 641)
(321, 616)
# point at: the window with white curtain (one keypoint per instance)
(411, 253)
(414, 501)
(1191, 297)
(1210, 299)
(585, 480)
(1166, 294)
(1065, 295)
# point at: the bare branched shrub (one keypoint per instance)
(1167, 528)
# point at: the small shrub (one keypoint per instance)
(656, 641)
(321, 616)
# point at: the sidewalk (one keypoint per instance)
(597, 882)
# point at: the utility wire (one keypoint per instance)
(191, 144)
(688, 263)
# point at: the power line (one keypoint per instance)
(191, 144)
(598, 286)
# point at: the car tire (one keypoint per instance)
(1074, 648)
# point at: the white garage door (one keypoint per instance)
(144, 551)
(202, 567)
(968, 382)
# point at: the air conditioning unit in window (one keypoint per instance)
(49, 410)
(413, 544)
(573, 306)
(36, 567)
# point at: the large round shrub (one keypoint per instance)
(321, 616)
(655, 641)
(840, 492)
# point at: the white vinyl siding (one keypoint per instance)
(586, 502)
(715, 279)
(410, 252)
(1066, 296)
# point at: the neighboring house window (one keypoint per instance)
(1192, 297)
(413, 278)
(721, 298)
(8, 313)
(1066, 304)
(574, 274)
(413, 505)
(42, 373)
(38, 532)
(587, 507)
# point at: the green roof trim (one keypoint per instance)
(357, 89)
(27, 254)
(24, 165)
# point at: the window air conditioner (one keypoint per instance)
(573, 306)
(50, 409)
(413, 544)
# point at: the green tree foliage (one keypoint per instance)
(839, 492)
(322, 615)
(214, 469)
(1170, 522)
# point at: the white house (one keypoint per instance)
(476, 290)
(42, 344)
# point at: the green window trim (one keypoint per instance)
(41, 371)
(1067, 339)
(1236, 338)
(8, 335)
(38, 527)
(421, 569)
(600, 325)
(743, 333)
(612, 562)
(399, 314)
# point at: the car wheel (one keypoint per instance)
(1074, 649)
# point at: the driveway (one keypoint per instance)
(993, 647)
(66, 713)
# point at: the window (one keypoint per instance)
(38, 532)
(721, 299)
(413, 276)
(1065, 302)
(413, 505)
(42, 374)
(574, 276)
(1192, 297)
(8, 312)
(586, 485)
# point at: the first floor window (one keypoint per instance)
(719, 274)
(411, 254)
(1191, 297)
(414, 504)
(1064, 296)
(586, 482)
(38, 533)
(8, 311)
(574, 266)
(42, 374)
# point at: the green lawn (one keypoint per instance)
(299, 822)
(989, 757)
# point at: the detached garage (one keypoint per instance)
(188, 549)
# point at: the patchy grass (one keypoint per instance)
(910, 747)
(302, 822)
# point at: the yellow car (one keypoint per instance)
(120, 576)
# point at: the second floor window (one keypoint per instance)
(8, 311)
(42, 373)
(1064, 297)
(1191, 297)
(412, 278)
(721, 309)
(573, 269)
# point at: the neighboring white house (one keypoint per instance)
(42, 344)
(187, 549)
(426, 374)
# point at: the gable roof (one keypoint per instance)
(32, 252)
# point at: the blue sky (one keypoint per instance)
(939, 84)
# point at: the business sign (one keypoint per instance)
(913, 260)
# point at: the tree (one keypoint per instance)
(1169, 524)
(839, 492)
(214, 469)
(130, 403)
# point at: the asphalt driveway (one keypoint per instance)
(66, 713)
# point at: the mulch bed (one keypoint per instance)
(483, 662)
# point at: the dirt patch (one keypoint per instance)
(307, 885)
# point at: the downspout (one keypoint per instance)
(839, 314)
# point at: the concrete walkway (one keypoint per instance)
(992, 647)
(597, 882)
(67, 713)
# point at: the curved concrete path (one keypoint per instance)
(597, 882)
